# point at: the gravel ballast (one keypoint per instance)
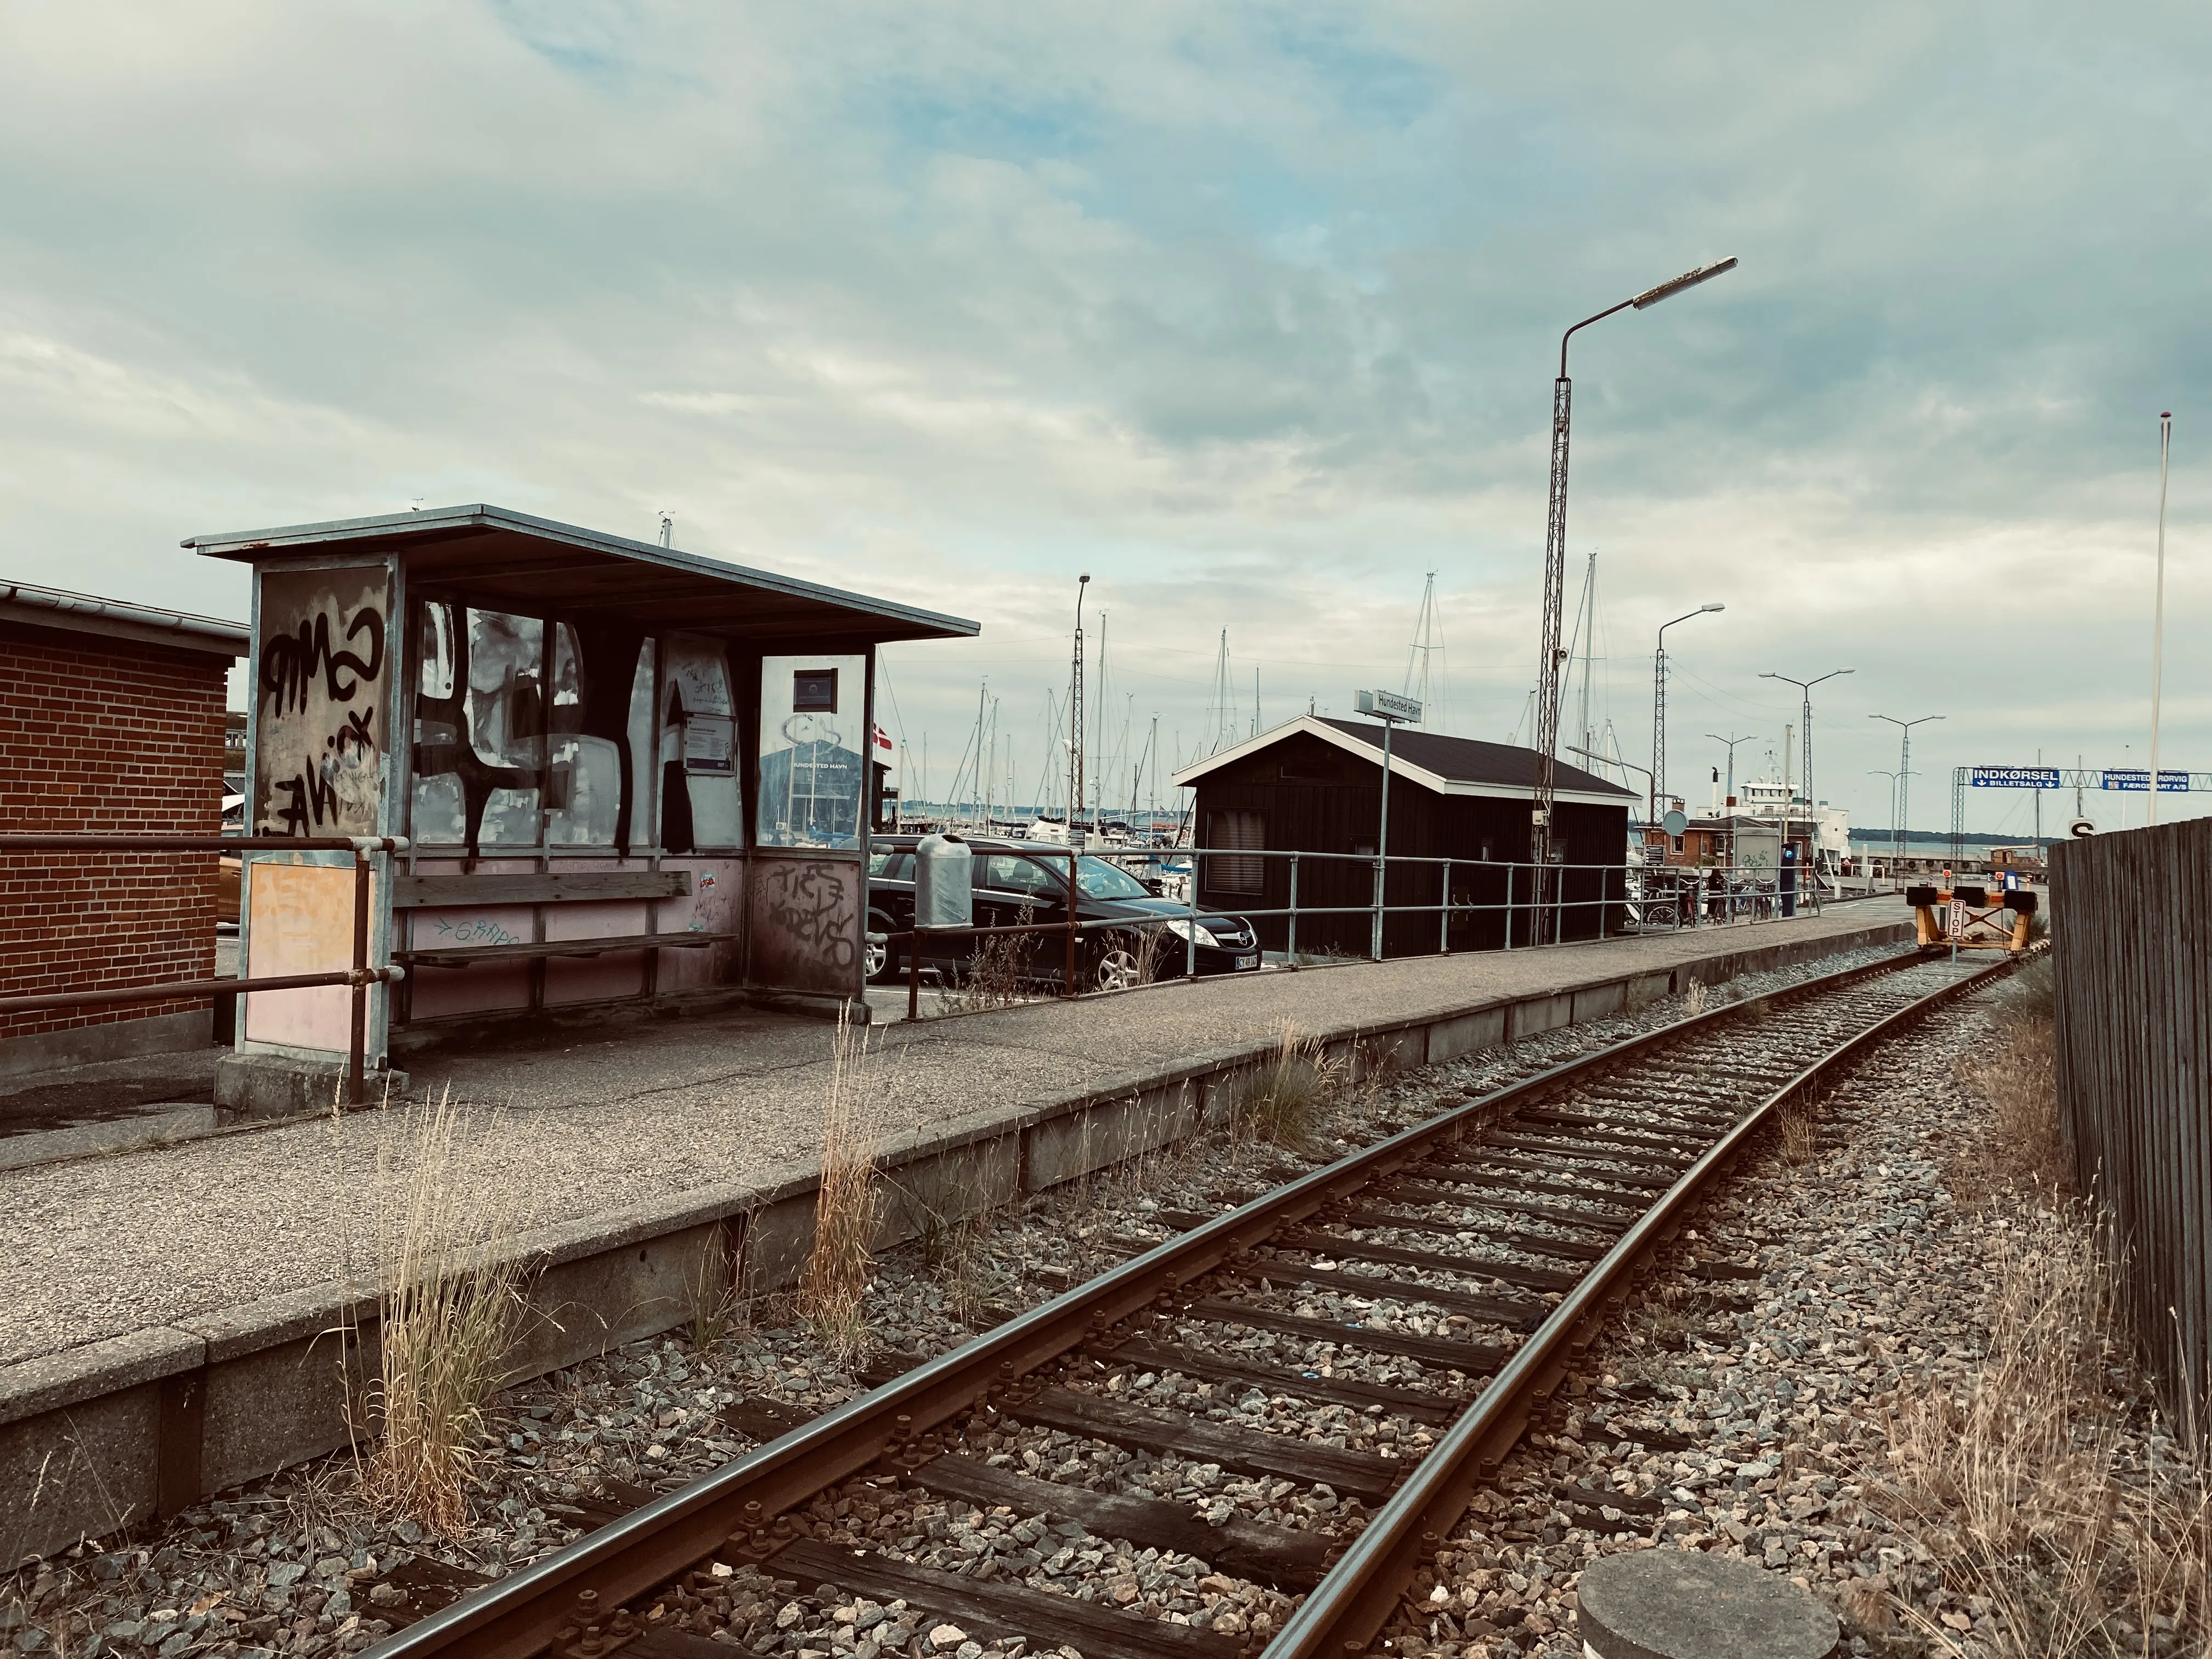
(295, 1562)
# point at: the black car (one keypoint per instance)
(1014, 883)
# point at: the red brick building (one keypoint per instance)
(111, 718)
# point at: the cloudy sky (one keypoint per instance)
(1249, 311)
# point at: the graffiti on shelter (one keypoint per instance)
(318, 753)
(811, 906)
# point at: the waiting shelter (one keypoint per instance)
(624, 774)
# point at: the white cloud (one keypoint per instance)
(1252, 312)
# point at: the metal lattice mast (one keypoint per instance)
(1543, 839)
(1075, 717)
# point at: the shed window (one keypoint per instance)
(1238, 831)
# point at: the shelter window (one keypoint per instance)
(513, 746)
(505, 716)
(813, 768)
(699, 806)
(1241, 832)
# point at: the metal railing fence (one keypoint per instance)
(1537, 904)
(359, 976)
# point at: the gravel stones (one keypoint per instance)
(295, 1562)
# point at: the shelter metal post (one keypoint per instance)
(1072, 986)
(1190, 920)
(357, 1042)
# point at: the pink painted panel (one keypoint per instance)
(300, 920)
(807, 912)
(482, 987)
(716, 906)
(595, 979)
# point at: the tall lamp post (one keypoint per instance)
(1813, 823)
(2158, 609)
(1893, 777)
(1075, 718)
(1548, 654)
(1729, 744)
(1900, 822)
(1658, 773)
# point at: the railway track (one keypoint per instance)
(1512, 1226)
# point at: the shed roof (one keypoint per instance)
(498, 556)
(118, 619)
(1450, 766)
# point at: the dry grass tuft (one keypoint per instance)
(450, 1306)
(1693, 1002)
(1284, 1099)
(2040, 1501)
(834, 1285)
(998, 974)
(1801, 1133)
(719, 1306)
(2015, 1071)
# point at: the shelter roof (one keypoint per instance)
(82, 613)
(493, 556)
(1450, 766)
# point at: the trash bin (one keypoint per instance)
(943, 882)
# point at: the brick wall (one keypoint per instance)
(99, 733)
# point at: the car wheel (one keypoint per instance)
(1117, 968)
(881, 961)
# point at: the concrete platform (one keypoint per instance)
(170, 1310)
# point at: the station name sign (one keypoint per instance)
(1387, 704)
(2016, 777)
(2137, 778)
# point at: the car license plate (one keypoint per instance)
(1242, 962)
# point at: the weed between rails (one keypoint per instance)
(450, 1307)
(832, 1285)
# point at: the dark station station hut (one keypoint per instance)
(624, 773)
(1314, 785)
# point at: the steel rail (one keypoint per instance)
(1344, 1611)
(519, 1616)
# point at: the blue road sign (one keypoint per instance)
(2014, 777)
(2137, 778)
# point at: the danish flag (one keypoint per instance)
(883, 737)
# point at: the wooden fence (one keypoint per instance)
(2132, 935)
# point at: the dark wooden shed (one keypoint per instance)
(1314, 786)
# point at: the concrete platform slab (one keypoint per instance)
(628, 1164)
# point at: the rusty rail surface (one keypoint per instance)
(359, 976)
(734, 1507)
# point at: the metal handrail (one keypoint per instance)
(359, 976)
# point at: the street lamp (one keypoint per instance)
(2158, 609)
(1075, 718)
(1893, 777)
(1729, 744)
(1899, 823)
(1813, 823)
(1659, 705)
(1555, 556)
